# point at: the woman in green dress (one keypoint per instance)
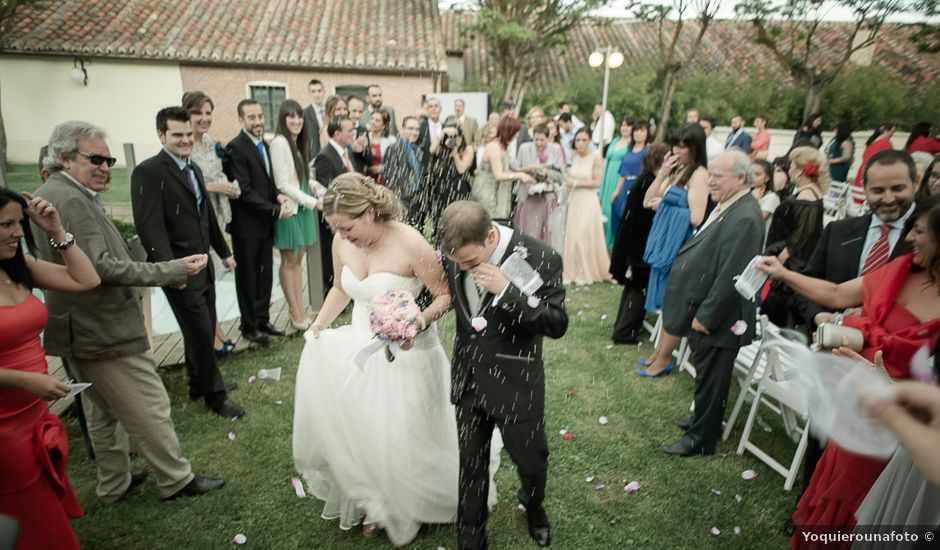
(615, 152)
(290, 167)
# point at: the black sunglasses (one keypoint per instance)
(98, 159)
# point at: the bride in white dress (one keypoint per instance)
(377, 443)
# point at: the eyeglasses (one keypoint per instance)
(98, 159)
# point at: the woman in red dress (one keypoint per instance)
(379, 140)
(34, 489)
(900, 303)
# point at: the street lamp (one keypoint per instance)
(614, 59)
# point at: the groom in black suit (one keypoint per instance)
(252, 227)
(498, 379)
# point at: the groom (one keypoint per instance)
(498, 377)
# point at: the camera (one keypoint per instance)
(451, 141)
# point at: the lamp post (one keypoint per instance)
(611, 59)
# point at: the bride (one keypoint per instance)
(377, 442)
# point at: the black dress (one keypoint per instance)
(797, 225)
(627, 254)
(443, 185)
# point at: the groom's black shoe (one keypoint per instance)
(257, 337)
(198, 486)
(270, 329)
(539, 529)
(683, 423)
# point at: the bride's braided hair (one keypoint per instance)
(352, 194)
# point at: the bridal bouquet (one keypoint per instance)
(395, 318)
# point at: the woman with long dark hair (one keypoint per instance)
(631, 166)
(34, 487)
(840, 152)
(921, 140)
(679, 195)
(612, 161)
(335, 106)
(584, 255)
(292, 235)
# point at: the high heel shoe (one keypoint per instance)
(643, 374)
(641, 363)
(301, 325)
(223, 352)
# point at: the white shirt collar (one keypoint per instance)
(254, 139)
(90, 192)
(339, 148)
(896, 224)
(505, 234)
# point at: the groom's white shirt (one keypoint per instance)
(470, 288)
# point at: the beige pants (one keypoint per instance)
(127, 398)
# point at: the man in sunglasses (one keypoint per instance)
(101, 331)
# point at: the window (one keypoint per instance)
(270, 96)
(353, 89)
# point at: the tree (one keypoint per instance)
(8, 9)
(927, 36)
(520, 35)
(669, 60)
(793, 30)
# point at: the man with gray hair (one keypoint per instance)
(702, 304)
(102, 332)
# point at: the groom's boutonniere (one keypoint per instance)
(521, 250)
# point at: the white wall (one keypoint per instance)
(122, 97)
(475, 104)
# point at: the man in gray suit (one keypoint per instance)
(701, 302)
(102, 331)
(313, 116)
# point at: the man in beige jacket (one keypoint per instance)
(102, 332)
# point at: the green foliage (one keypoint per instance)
(868, 96)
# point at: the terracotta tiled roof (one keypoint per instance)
(727, 48)
(400, 35)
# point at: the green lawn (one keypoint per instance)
(675, 508)
(25, 177)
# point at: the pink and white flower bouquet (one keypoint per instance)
(395, 318)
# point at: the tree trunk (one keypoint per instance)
(814, 96)
(670, 81)
(509, 93)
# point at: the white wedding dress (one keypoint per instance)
(379, 443)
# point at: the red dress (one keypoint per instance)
(377, 161)
(843, 479)
(33, 442)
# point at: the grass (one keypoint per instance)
(675, 508)
(25, 177)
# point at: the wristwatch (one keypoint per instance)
(69, 241)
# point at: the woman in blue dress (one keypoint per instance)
(630, 168)
(679, 195)
(615, 153)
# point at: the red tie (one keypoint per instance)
(349, 167)
(878, 255)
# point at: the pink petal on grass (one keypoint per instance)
(231, 436)
(739, 328)
(716, 492)
(534, 301)
(240, 539)
(602, 421)
(252, 379)
(737, 531)
(632, 487)
(609, 346)
(604, 317)
(748, 475)
(599, 486)
(298, 487)
(589, 479)
(738, 498)
(478, 323)
(580, 313)
(714, 531)
(568, 436)
(278, 402)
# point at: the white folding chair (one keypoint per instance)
(654, 329)
(749, 366)
(834, 201)
(776, 385)
(856, 204)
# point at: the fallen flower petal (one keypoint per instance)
(602, 421)
(298, 487)
(599, 486)
(252, 379)
(748, 475)
(240, 539)
(534, 301)
(738, 498)
(714, 531)
(589, 479)
(716, 492)
(737, 531)
(604, 317)
(231, 436)
(609, 346)
(478, 323)
(631, 487)
(569, 436)
(739, 328)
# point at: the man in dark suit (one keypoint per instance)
(333, 160)
(846, 247)
(252, 227)
(431, 127)
(174, 219)
(498, 379)
(313, 115)
(738, 138)
(701, 302)
(402, 168)
(359, 150)
(102, 331)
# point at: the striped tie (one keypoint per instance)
(878, 255)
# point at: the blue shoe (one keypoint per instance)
(664, 372)
(641, 363)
